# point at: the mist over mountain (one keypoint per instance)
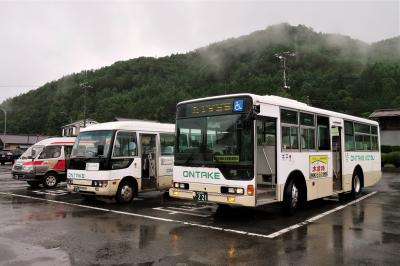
(330, 71)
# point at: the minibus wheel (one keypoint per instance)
(126, 192)
(33, 184)
(50, 180)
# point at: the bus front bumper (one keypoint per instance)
(231, 199)
(106, 191)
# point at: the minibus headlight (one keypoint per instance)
(101, 183)
(176, 185)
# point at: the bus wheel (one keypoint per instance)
(126, 192)
(291, 198)
(50, 180)
(33, 184)
(356, 185)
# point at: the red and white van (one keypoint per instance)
(44, 163)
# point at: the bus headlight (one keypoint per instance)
(181, 185)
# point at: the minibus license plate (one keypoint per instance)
(77, 189)
(201, 196)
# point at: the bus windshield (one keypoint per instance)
(89, 143)
(215, 141)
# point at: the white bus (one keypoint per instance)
(121, 159)
(252, 150)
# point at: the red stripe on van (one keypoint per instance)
(60, 165)
(33, 163)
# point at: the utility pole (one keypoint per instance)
(84, 86)
(282, 58)
(5, 120)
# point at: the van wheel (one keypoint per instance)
(126, 192)
(356, 185)
(291, 198)
(50, 180)
(33, 184)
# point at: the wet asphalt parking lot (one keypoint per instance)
(53, 227)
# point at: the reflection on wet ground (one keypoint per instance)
(364, 233)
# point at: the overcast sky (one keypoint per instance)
(41, 41)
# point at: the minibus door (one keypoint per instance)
(336, 133)
(148, 150)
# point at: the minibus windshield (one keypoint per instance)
(91, 144)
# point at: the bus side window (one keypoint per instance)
(324, 142)
(290, 129)
(167, 144)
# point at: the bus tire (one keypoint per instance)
(356, 185)
(50, 180)
(291, 199)
(126, 192)
(33, 184)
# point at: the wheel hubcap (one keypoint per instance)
(51, 181)
(126, 192)
(295, 196)
(357, 184)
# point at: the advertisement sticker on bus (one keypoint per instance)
(318, 166)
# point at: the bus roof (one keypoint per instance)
(54, 141)
(133, 125)
(288, 103)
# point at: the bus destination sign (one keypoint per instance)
(215, 107)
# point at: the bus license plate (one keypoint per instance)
(201, 196)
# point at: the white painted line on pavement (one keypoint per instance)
(172, 210)
(270, 236)
(319, 216)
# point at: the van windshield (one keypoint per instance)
(32, 152)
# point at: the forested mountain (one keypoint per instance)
(329, 71)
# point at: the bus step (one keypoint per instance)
(265, 201)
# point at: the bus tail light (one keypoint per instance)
(250, 190)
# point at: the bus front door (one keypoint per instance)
(336, 133)
(266, 159)
(149, 159)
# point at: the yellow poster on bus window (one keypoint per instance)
(318, 166)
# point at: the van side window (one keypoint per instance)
(167, 143)
(50, 152)
(67, 151)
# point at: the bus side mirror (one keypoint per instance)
(100, 150)
(256, 109)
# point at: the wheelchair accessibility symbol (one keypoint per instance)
(238, 106)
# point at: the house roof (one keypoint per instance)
(21, 139)
(385, 113)
(80, 123)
